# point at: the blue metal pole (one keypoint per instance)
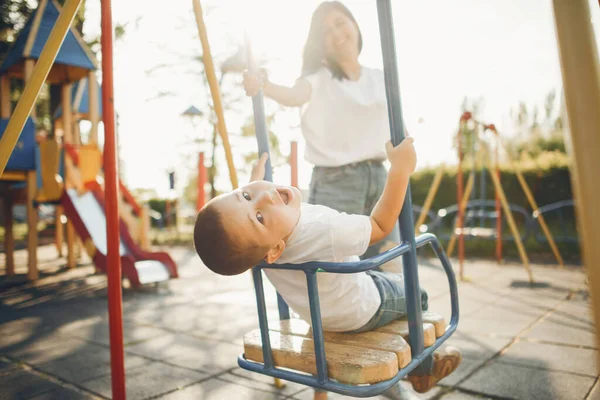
(317, 326)
(260, 127)
(263, 322)
(411, 275)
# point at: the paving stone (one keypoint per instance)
(254, 380)
(190, 352)
(146, 381)
(458, 395)
(181, 318)
(309, 393)
(522, 383)
(558, 328)
(595, 393)
(50, 348)
(7, 367)
(216, 389)
(499, 321)
(23, 385)
(552, 357)
(20, 330)
(87, 364)
(98, 331)
(476, 346)
(63, 394)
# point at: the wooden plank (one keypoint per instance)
(368, 340)
(32, 234)
(9, 239)
(438, 322)
(16, 176)
(347, 364)
(5, 105)
(400, 327)
(94, 111)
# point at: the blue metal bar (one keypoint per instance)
(378, 388)
(262, 317)
(260, 124)
(317, 327)
(345, 267)
(260, 127)
(409, 260)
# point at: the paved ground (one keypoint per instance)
(182, 340)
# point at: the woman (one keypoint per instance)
(344, 116)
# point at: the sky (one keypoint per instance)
(503, 51)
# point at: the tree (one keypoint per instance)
(535, 138)
(232, 96)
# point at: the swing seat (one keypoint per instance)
(352, 358)
(354, 364)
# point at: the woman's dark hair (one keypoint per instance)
(314, 48)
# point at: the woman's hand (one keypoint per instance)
(254, 82)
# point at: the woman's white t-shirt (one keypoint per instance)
(345, 121)
(348, 301)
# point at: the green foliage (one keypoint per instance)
(547, 176)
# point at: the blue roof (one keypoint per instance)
(72, 52)
(23, 156)
(81, 99)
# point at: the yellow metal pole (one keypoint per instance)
(543, 224)
(463, 206)
(511, 222)
(435, 184)
(581, 80)
(533, 205)
(34, 84)
(214, 90)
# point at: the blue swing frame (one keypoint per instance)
(422, 359)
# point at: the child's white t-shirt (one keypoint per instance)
(348, 301)
(345, 121)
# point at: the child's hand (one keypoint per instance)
(258, 169)
(402, 157)
(254, 82)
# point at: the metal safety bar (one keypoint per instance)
(407, 233)
(321, 381)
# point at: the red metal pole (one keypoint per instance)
(201, 197)
(294, 163)
(111, 177)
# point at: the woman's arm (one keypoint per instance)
(294, 96)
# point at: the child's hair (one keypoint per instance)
(313, 56)
(223, 252)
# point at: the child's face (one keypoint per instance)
(263, 211)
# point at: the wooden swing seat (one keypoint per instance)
(352, 358)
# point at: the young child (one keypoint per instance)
(265, 221)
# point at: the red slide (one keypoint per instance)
(86, 212)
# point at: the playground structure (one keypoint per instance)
(580, 67)
(61, 170)
(473, 212)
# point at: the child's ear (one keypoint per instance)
(275, 252)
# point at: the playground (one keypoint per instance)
(517, 343)
(106, 288)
